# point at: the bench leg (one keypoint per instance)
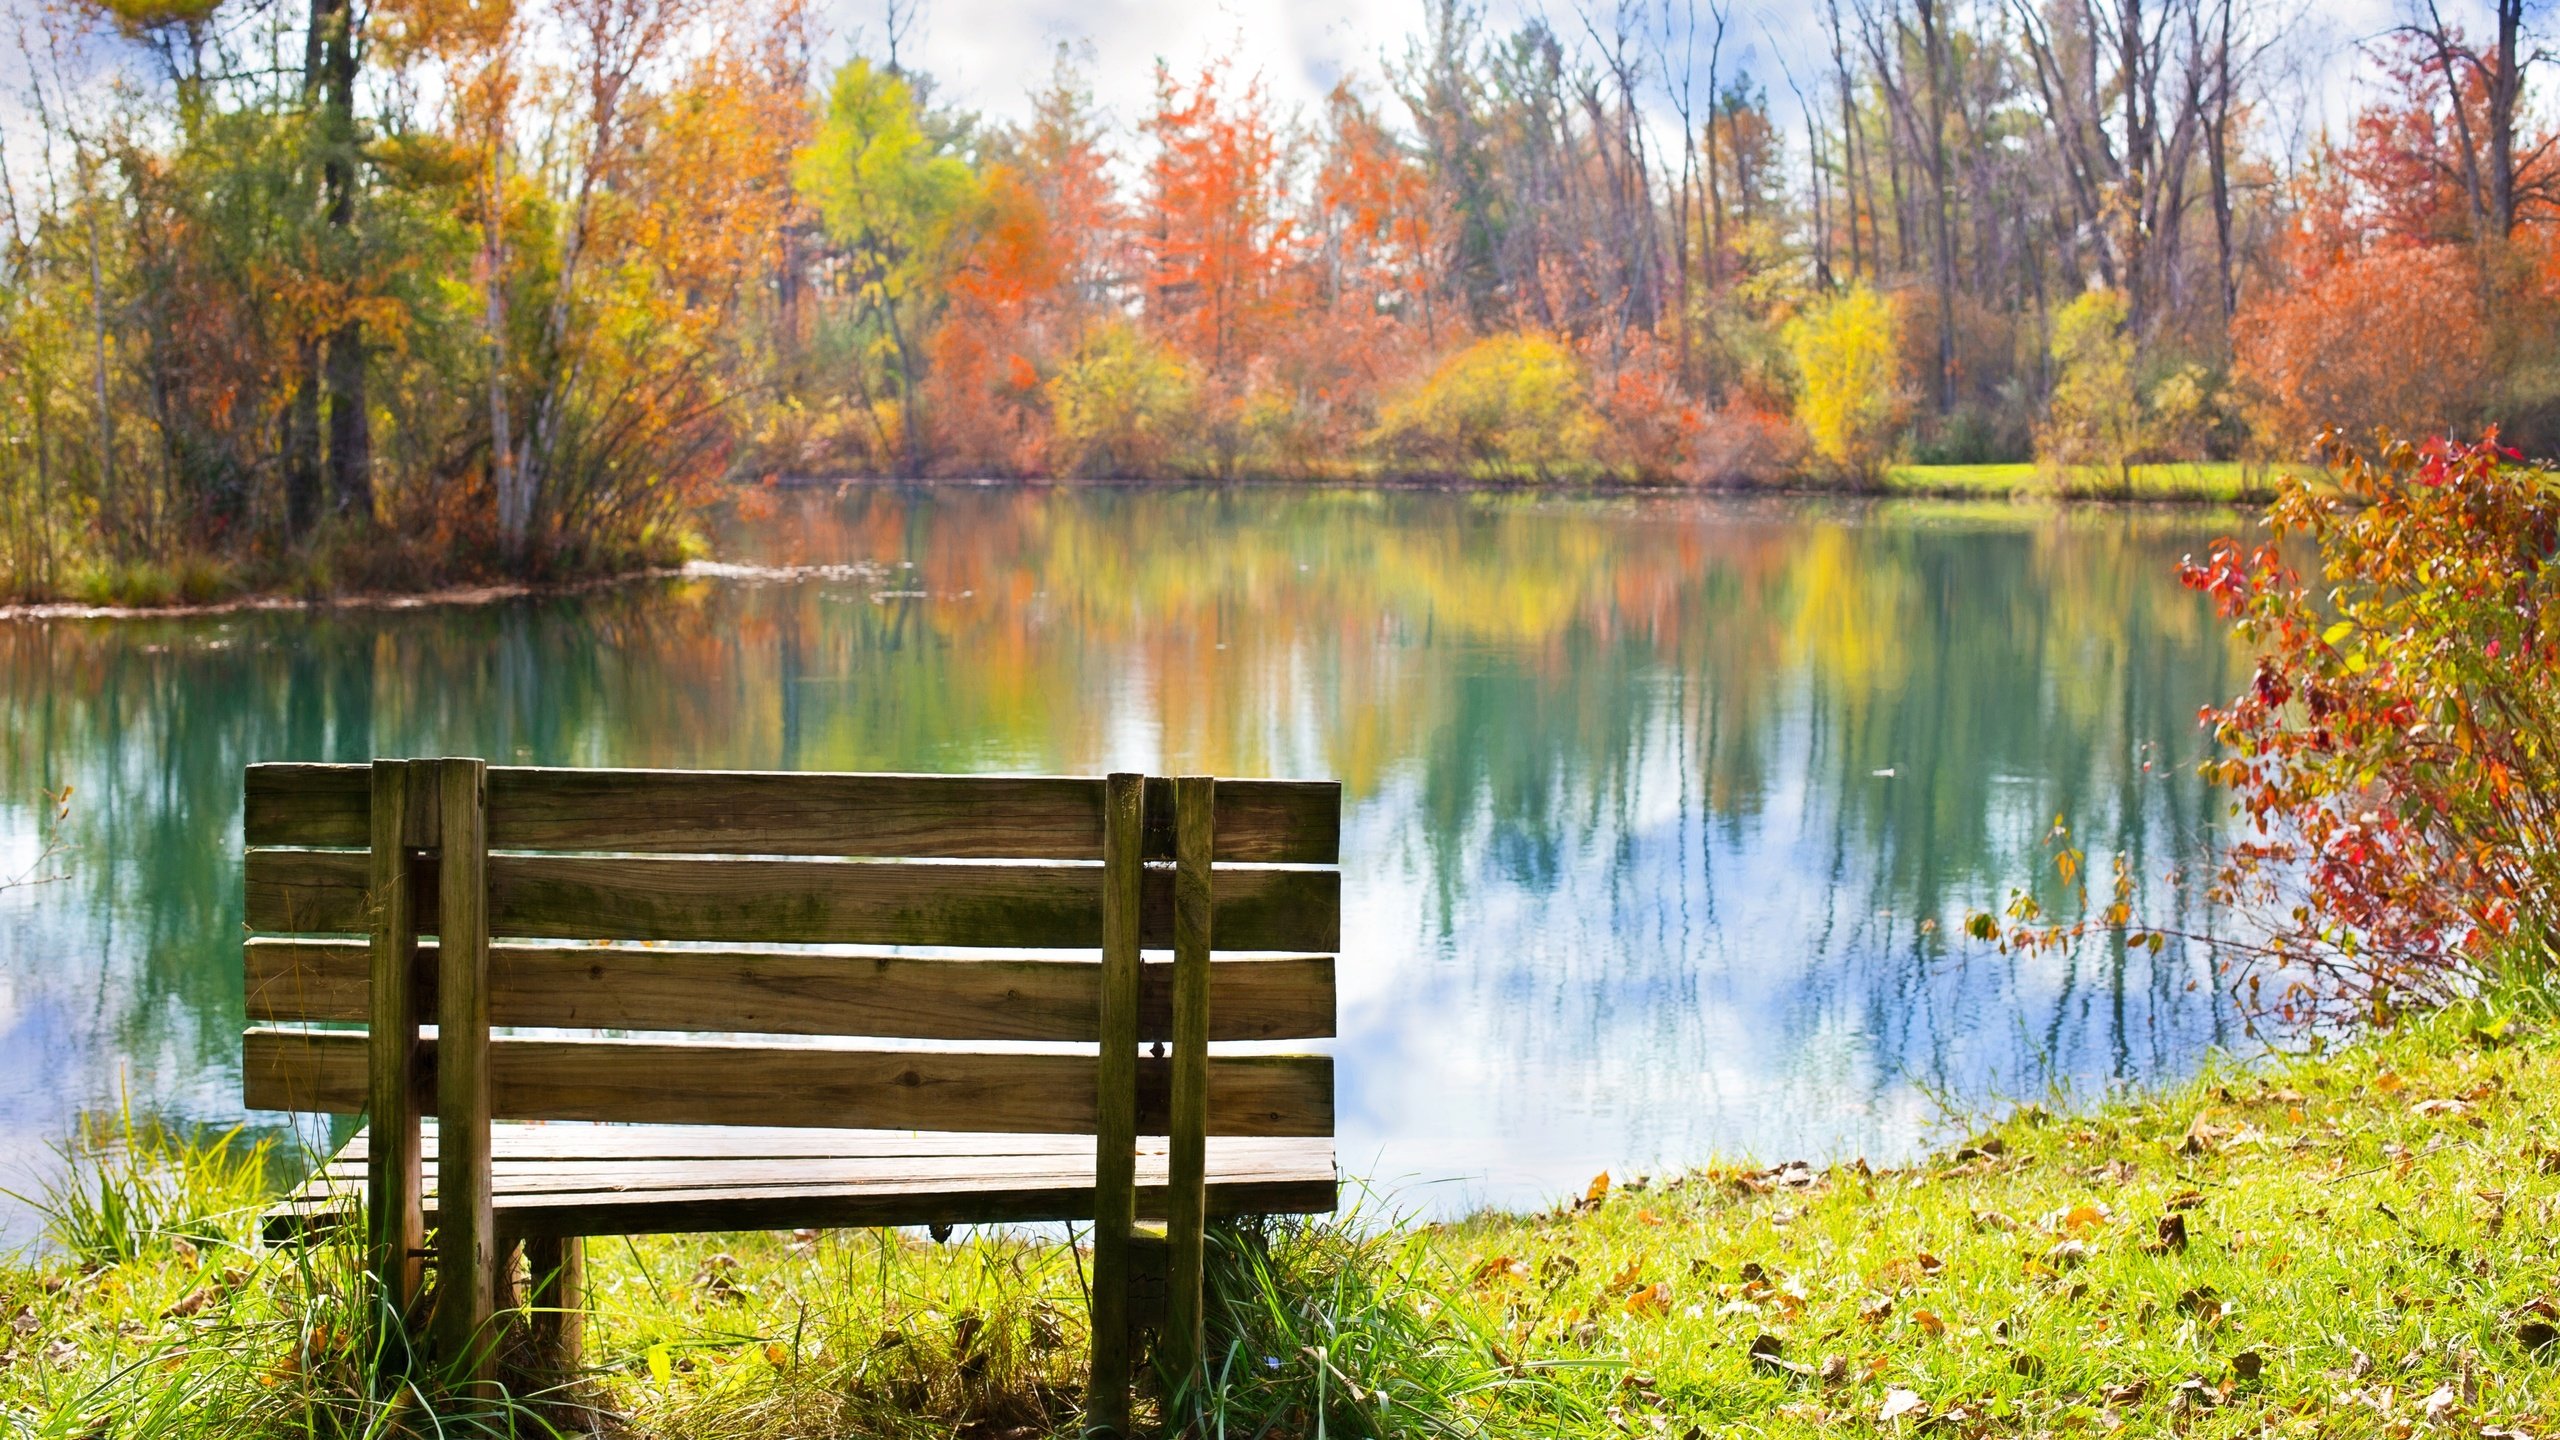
(556, 1274)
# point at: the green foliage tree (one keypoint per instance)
(1849, 383)
(889, 192)
(1516, 402)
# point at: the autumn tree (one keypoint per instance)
(889, 191)
(1220, 246)
(1849, 381)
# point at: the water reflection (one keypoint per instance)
(1662, 811)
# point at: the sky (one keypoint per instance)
(988, 54)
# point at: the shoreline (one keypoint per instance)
(493, 592)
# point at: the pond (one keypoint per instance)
(1662, 818)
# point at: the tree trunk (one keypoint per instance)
(332, 47)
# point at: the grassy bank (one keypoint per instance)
(2359, 1242)
(2220, 482)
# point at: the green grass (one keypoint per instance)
(2223, 482)
(2358, 1243)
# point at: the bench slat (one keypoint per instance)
(784, 992)
(541, 1143)
(579, 897)
(712, 1083)
(819, 814)
(835, 1178)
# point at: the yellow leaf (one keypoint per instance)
(1599, 1189)
(2388, 1082)
(662, 1365)
(1928, 1320)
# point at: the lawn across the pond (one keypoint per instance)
(2219, 482)
(2353, 1242)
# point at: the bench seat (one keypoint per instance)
(571, 1179)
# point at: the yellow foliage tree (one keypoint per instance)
(1122, 406)
(2096, 417)
(1849, 387)
(1513, 402)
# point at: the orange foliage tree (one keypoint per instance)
(1220, 247)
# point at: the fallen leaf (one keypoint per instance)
(2388, 1082)
(2440, 1403)
(193, 1302)
(1629, 1276)
(1835, 1369)
(1654, 1299)
(2248, 1365)
(2537, 1335)
(1875, 1308)
(1598, 1189)
(2129, 1393)
(1928, 1320)
(1898, 1403)
(1765, 1355)
(2205, 1303)
(2171, 1232)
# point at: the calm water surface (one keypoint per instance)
(1662, 814)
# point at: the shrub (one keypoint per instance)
(1744, 445)
(1510, 402)
(2096, 415)
(2335, 347)
(1849, 386)
(2388, 756)
(1122, 405)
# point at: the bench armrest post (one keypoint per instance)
(1187, 1160)
(1115, 1137)
(466, 1245)
(403, 807)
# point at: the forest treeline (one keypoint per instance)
(385, 294)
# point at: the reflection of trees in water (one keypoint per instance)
(1610, 761)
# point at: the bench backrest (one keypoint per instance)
(697, 895)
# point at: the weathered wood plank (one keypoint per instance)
(1116, 1103)
(684, 1212)
(401, 807)
(812, 813)
(544, 1141)
(713, 1083)
(782, 992)
(1031, 905)
(466, 1230)
(918, 1178)
(1187, 1120)
(547, 1143)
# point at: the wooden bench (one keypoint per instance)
(725, 903)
